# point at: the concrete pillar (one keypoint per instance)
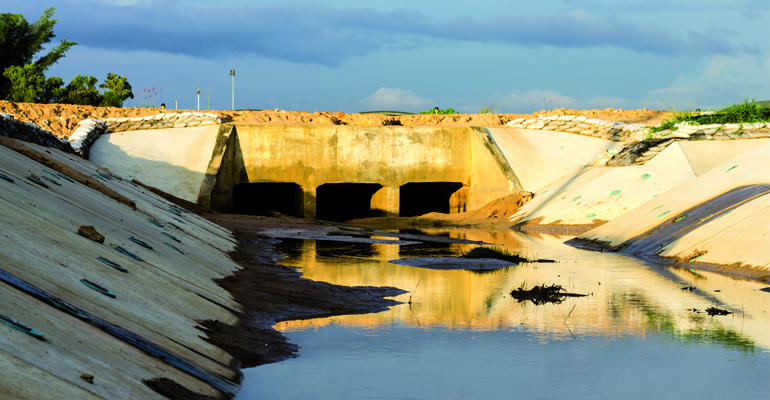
(458, 202)
(309, 202)
(386, 202)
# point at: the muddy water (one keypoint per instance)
(463, 336)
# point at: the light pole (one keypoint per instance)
(199, 99)
(232, 73)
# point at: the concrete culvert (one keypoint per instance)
(345, 201)
(426, 197)
(260, 198)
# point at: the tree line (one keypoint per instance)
(24, 80)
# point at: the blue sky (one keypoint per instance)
(520, 56)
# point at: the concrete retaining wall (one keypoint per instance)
(148, 330)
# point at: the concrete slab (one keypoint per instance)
(160, 298)
(172, 160)
(539, 157)
(734, 229)
(672, 157)
(705, 155)
(595, 195)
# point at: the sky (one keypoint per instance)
(353, 56)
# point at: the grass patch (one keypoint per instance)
(489, 110)
(748, 111)
(494, 252)
(437, 111)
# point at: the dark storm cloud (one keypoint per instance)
(326, 35)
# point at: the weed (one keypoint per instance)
(746, 112)
(438, 111)
(492, 109)
(149, 98)
(495, 253)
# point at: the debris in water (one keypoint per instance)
(690, 288)
(716, 311)
(543, 294)
(499, 254)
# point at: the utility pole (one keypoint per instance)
(199, 99)
(232, 73)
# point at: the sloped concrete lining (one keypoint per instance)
(704, 155)
(172, 160)
(539, 157)
(158, 301)
(734, 228)
(673, 158)
(590, 196)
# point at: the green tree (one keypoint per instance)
(19, 42)
(82, 91)
(117, 91)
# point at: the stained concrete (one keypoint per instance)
(204, 164)
(738, 236)
(705, 155)
(539, 157)
(159, 299)
(172, 160)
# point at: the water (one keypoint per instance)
(463, 337)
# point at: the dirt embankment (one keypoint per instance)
(61, 119)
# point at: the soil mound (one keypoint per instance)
(62, 119)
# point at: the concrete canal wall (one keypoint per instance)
(59, 336)
(308, 171)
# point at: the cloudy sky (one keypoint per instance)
(406, 55)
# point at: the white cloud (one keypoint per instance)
(394, 100)
(536, 100)
(722, 80)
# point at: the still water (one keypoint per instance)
(463, 337)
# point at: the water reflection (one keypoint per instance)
(627, 297)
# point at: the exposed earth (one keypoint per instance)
(62, 119)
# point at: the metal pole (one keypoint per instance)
(232, 73)
(199, 99)
(176, 105)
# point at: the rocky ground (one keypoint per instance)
(62, 119)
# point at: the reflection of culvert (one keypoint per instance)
(22, 327)
(99, 288)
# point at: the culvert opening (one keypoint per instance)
(260, 198)
(344, 201)
(425, 197)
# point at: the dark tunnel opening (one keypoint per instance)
(344, 201)
(259, 198)
(425, 197)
